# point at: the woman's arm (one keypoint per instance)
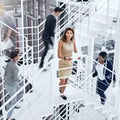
(75, 48)
(60, 49)
(9, 31)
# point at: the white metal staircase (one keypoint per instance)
(100, 24)
(44, 102)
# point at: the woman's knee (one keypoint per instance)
(62, 81)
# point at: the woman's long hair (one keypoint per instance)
(63, 38)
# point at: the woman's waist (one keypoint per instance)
(65, 63)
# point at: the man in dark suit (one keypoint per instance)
(48, 32)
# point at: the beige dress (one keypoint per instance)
(67, 50)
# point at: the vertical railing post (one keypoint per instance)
(90, 45)
(23, 51)
(107, 17)
(117, 47)
(1, 81)
(38, 44)
(69, 13)
(52, 77)
(117, 59)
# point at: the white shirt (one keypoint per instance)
(99, 69)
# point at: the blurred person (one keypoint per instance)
(11, 81)
(49, 33)
(8, 35)
(66, 47)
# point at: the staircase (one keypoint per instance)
(100, 26)
(44, 102)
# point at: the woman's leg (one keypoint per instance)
(62, 84)
(61, 87)
(66, 81)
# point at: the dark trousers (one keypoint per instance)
(1, 95)
(102, 86)
(44, 54)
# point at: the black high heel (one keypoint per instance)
(63, 97)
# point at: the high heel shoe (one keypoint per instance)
(63, 97)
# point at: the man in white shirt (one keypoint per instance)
(103, 71)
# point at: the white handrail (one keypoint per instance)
(68, 102)
(108, 102)
(11, 28)
(41, 25)
(37, 101)
(75, 16)
(99, 64)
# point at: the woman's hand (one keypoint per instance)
(78, 58)
(68, 58)
(6, 39)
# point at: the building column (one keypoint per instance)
(117, 61)
(90, 45)
(40, 4)
(117, 45)
(47, 7)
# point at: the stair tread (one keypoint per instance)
(74, 96)
(106, 109)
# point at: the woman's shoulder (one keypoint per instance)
(61, 41)
(11, 64)
(73, 41)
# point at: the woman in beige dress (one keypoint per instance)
(66, 47)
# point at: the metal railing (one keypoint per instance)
(35, 36)
(34, 33)
(111, 102)
(19, 42)
(88, 92)
(90, 97)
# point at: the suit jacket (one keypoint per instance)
(49, 29)
(108, 74)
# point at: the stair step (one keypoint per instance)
(98, 106)
(109, 112)
(87, 113)
(106, 110)
(89, 101)
(72, 94)
(42, 106)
